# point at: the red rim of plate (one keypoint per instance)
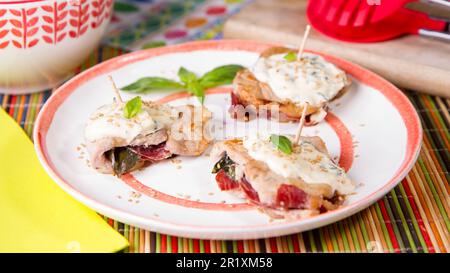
(393, 94)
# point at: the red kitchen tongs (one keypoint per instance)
(373, 20)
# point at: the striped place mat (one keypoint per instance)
(413, 217)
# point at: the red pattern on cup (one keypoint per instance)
(3, 32)
(56, 22)
(101, 10)
(79, 18)
(24, 27)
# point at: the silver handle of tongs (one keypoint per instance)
(442, 3)
(442, 35)
(435, 34)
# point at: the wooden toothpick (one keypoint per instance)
(301, 124)
(302, 45)
(116, 90)
(305, 106)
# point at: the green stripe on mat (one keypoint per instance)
(403, 222)
(333, 239)
(363, 229)
(413, 219)
(435, 195)
(384, 228)
(322, 240)
(343, 236)
(354, 236)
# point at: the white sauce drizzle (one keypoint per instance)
(109, 121)
(311, 80)
(305, 162)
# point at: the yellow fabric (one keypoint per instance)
(35, 214)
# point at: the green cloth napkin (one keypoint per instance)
(35, 214)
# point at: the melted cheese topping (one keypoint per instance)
(311, 79)
(109, 122)
(305, 162)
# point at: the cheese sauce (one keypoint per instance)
(305, 162)
(109, 121)
(312, 79)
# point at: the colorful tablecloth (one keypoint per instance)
(413, 217)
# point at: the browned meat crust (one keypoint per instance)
(248, 91)
(193, 142)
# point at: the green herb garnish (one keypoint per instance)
(197, 89)
(186, 76)
(283, 143)
(148, 84)
(220, 76)
(188, 80)
(192, 83)
(226, 164)
(123, 160)
(290, 57)
(132, 107)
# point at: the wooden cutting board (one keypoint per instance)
(410, 62)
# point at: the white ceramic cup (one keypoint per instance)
(43, 41)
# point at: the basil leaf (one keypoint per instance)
(148, 84)
(123, 160)
(132, 107)
(197, 89)
(226, 164)
(220, 76)
(290, 57)
(186, 76)
(282, 143)
(223, 163)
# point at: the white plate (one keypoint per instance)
(373, 128)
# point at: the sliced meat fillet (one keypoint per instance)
(264, 187)
(189, 135)
(153, 153)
